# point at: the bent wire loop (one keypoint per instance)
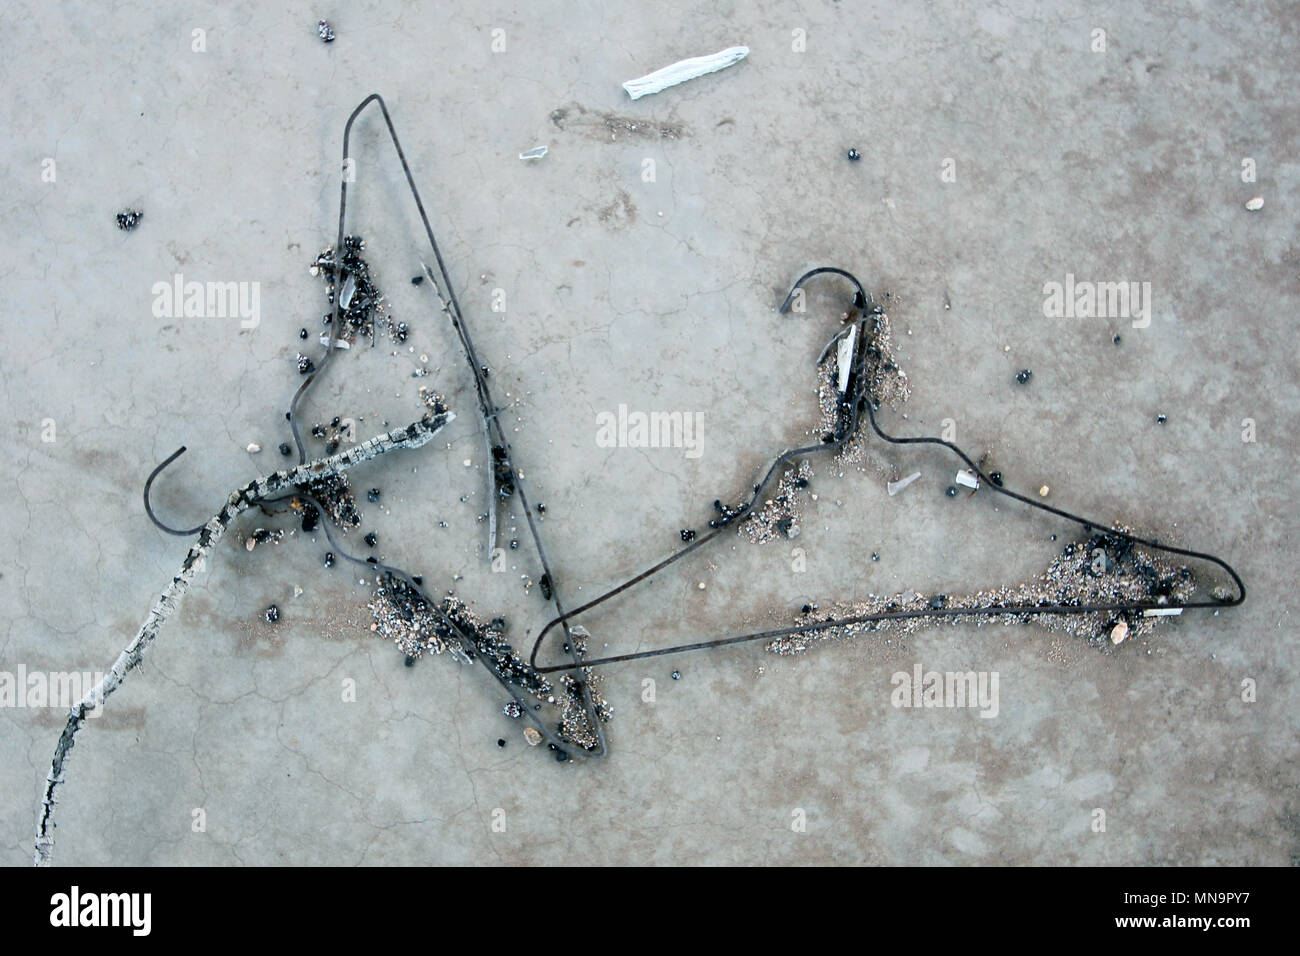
(852, 403)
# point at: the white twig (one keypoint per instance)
(684, 70)
(412, 436)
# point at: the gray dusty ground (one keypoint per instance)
(1124, 164)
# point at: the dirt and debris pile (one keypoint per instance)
(348, 280)
(1102, 569)
(402, 615)
(779, 516)
(885, 383)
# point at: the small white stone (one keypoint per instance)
(1042, 492)
(1119, 632)
(467, 462)
(254, 448)
(1256, 204)
(701, 585)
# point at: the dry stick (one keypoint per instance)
(412, 436)
(487, 435)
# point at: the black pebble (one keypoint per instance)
(416, 280)
(541, 508)
(801, 482)
(284, 448)
(410, 661)
(688, 534)
(996, 478)
(561, 756)
(501, 741)
(854, 155)
(514, 544)
(950, 491)
(874, 556)
(676, 675)
(272, 614)
(1115, 340)
(418, 579)
(545, 584)
(329, 559)
(302, 333)
(371, 540)
(1161, 419)
(1023, 376)
(372, 495)
(126, 221)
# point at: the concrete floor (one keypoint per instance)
(1117, 165)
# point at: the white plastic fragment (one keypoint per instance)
(894, 487)
(537, 152)
(1256, 204)
(1162, 612)
(844, 358)
(684, 70)
(345, 294)
(967, 478)
(338, 343)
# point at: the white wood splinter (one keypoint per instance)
(684, 70)
(844, 358)
(894, 487)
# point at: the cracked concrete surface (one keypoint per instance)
(1122, 164)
